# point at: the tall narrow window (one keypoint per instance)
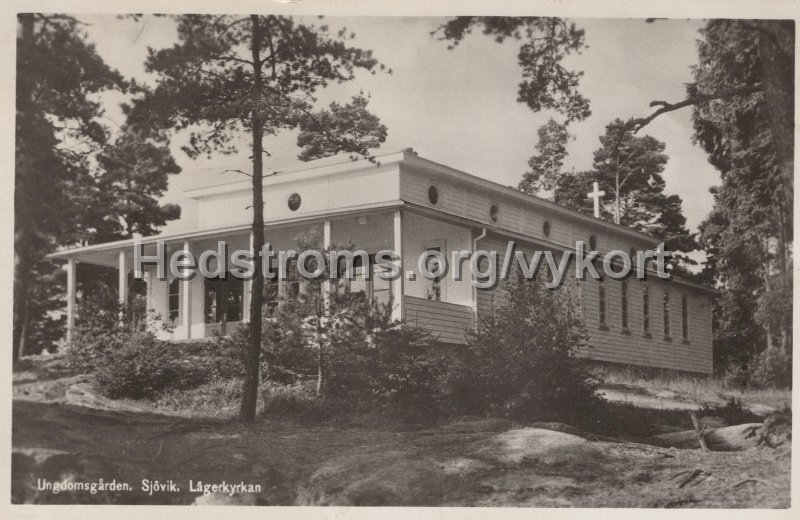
(223, 299)
(360, 281)
(684, 317)
(666, 314)
(646, 311)
(365, 279)
(292, 282)
(601, 303)
(271, 290)
(434, 291)
(624, 303)
(174, 299)
(381, 287)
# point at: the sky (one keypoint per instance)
(458, 107)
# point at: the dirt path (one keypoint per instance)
(470, 464)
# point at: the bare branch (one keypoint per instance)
(235, 171)
(638, 124)
(231, 58)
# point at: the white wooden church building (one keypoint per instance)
(409, 204)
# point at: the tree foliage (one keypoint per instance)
(133, 173)
(545, 42)
(521, 362)
(631, 166)
(546, 166)
(72, 183)
(56, 130)
(748, 234)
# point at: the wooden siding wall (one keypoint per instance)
(611, 343)
(466, 200)
(447, 321)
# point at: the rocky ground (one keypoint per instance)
(63, 431)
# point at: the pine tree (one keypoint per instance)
(56, 131)
(629, 169)
(748, 234)
(546, 82)
(258, 75)
(546, 167)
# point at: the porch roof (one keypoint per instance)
(107, 253)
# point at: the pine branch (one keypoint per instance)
(638, 124)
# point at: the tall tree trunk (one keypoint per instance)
(21, 289)
(22, 238)
(247, 413)
(25, 329)
(768, 289)
(320, 370)
(784, 262)
(778, 67)
(320, 357)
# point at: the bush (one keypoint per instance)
(407, 368)
(99, 330)
(141, 367)
(733, 375)
(732, 412)
(772, 369)
(521, 361)
(129, 360)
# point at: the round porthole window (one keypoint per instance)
(294, 201)
(546, 228)
(493, 212)
(433, 195)
(593, 242)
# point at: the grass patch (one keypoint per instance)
(697, 388)
(219, 399)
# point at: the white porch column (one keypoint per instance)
(247, 288)
(397, 283)
(70, 267)
(186, 301)
(326, 245)
(123, 279)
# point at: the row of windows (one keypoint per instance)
(646, 321)
(224, 297)
(365, 279)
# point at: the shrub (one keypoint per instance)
(129, 360)
(141, 367)
(521, 362)
(407, 368)
(732, 412)
(99, 330)
(733, 375)
(772, 369)
(351, 349)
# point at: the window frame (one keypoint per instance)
(602, 305)
(174, 314)
(220, 288)
(646, 312)
(684, 317)
(623, 302)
